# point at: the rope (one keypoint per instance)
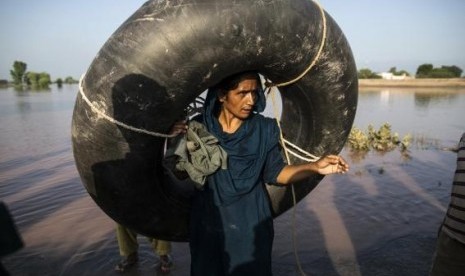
(284, 142)
(268, 84)
(114, 121)
(311, 158)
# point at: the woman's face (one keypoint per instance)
(240, 101)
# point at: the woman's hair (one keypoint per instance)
(231, 82)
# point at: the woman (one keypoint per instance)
(231, 227)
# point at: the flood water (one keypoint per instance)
(381, 218)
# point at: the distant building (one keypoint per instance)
(391, 76)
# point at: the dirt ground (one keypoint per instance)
(413, 83)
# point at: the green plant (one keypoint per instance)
(381, 140)
(358, 140)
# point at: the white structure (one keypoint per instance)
(391, 76)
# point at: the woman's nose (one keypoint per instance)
(250, 98)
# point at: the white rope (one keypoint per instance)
(318, 54)
(311, 157)
(285, 142)
(114, 121)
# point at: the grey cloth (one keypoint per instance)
(199, 154)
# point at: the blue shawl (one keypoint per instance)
(253, 151)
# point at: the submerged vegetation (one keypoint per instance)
(23, 79)
(381, 140)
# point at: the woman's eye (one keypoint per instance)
(244, 94)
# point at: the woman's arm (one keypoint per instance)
(327, 165)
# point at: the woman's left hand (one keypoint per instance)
(331, 164)
(179, 127)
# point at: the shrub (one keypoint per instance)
(381, 140)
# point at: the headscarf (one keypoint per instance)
(212, 107)
(247, 150)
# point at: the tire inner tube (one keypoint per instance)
(163, 57)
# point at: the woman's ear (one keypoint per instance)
(221, 97)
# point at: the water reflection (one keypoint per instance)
(423, 100)
(387, 209)
(385, 93)
(429, 113)
(24, 106)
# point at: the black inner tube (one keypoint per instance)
(163, 57)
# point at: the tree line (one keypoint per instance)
(21, 78)
(423, 71)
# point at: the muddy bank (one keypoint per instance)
(456, 82)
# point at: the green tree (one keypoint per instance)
(440, 73)
(32, 79)
(38, 80)
(366, 73)
(403, 72)
(428, 71)
(394, 71)
(70, 80)
(44, 80)
(456, 71)
(18, 72)
(59, 82)
(424, 70)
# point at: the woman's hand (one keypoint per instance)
(180, 127)
(330, 164)
(325, 165)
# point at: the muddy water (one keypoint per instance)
(379, 219)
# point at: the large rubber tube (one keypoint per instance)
(169, 52)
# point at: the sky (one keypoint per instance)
(62, 37)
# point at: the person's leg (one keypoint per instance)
(128, 246)
(162, 249)
(127, 240)
(449, 258)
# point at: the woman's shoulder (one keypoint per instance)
(268, 124)
(268, 129)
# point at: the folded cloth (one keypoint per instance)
(199, 154)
